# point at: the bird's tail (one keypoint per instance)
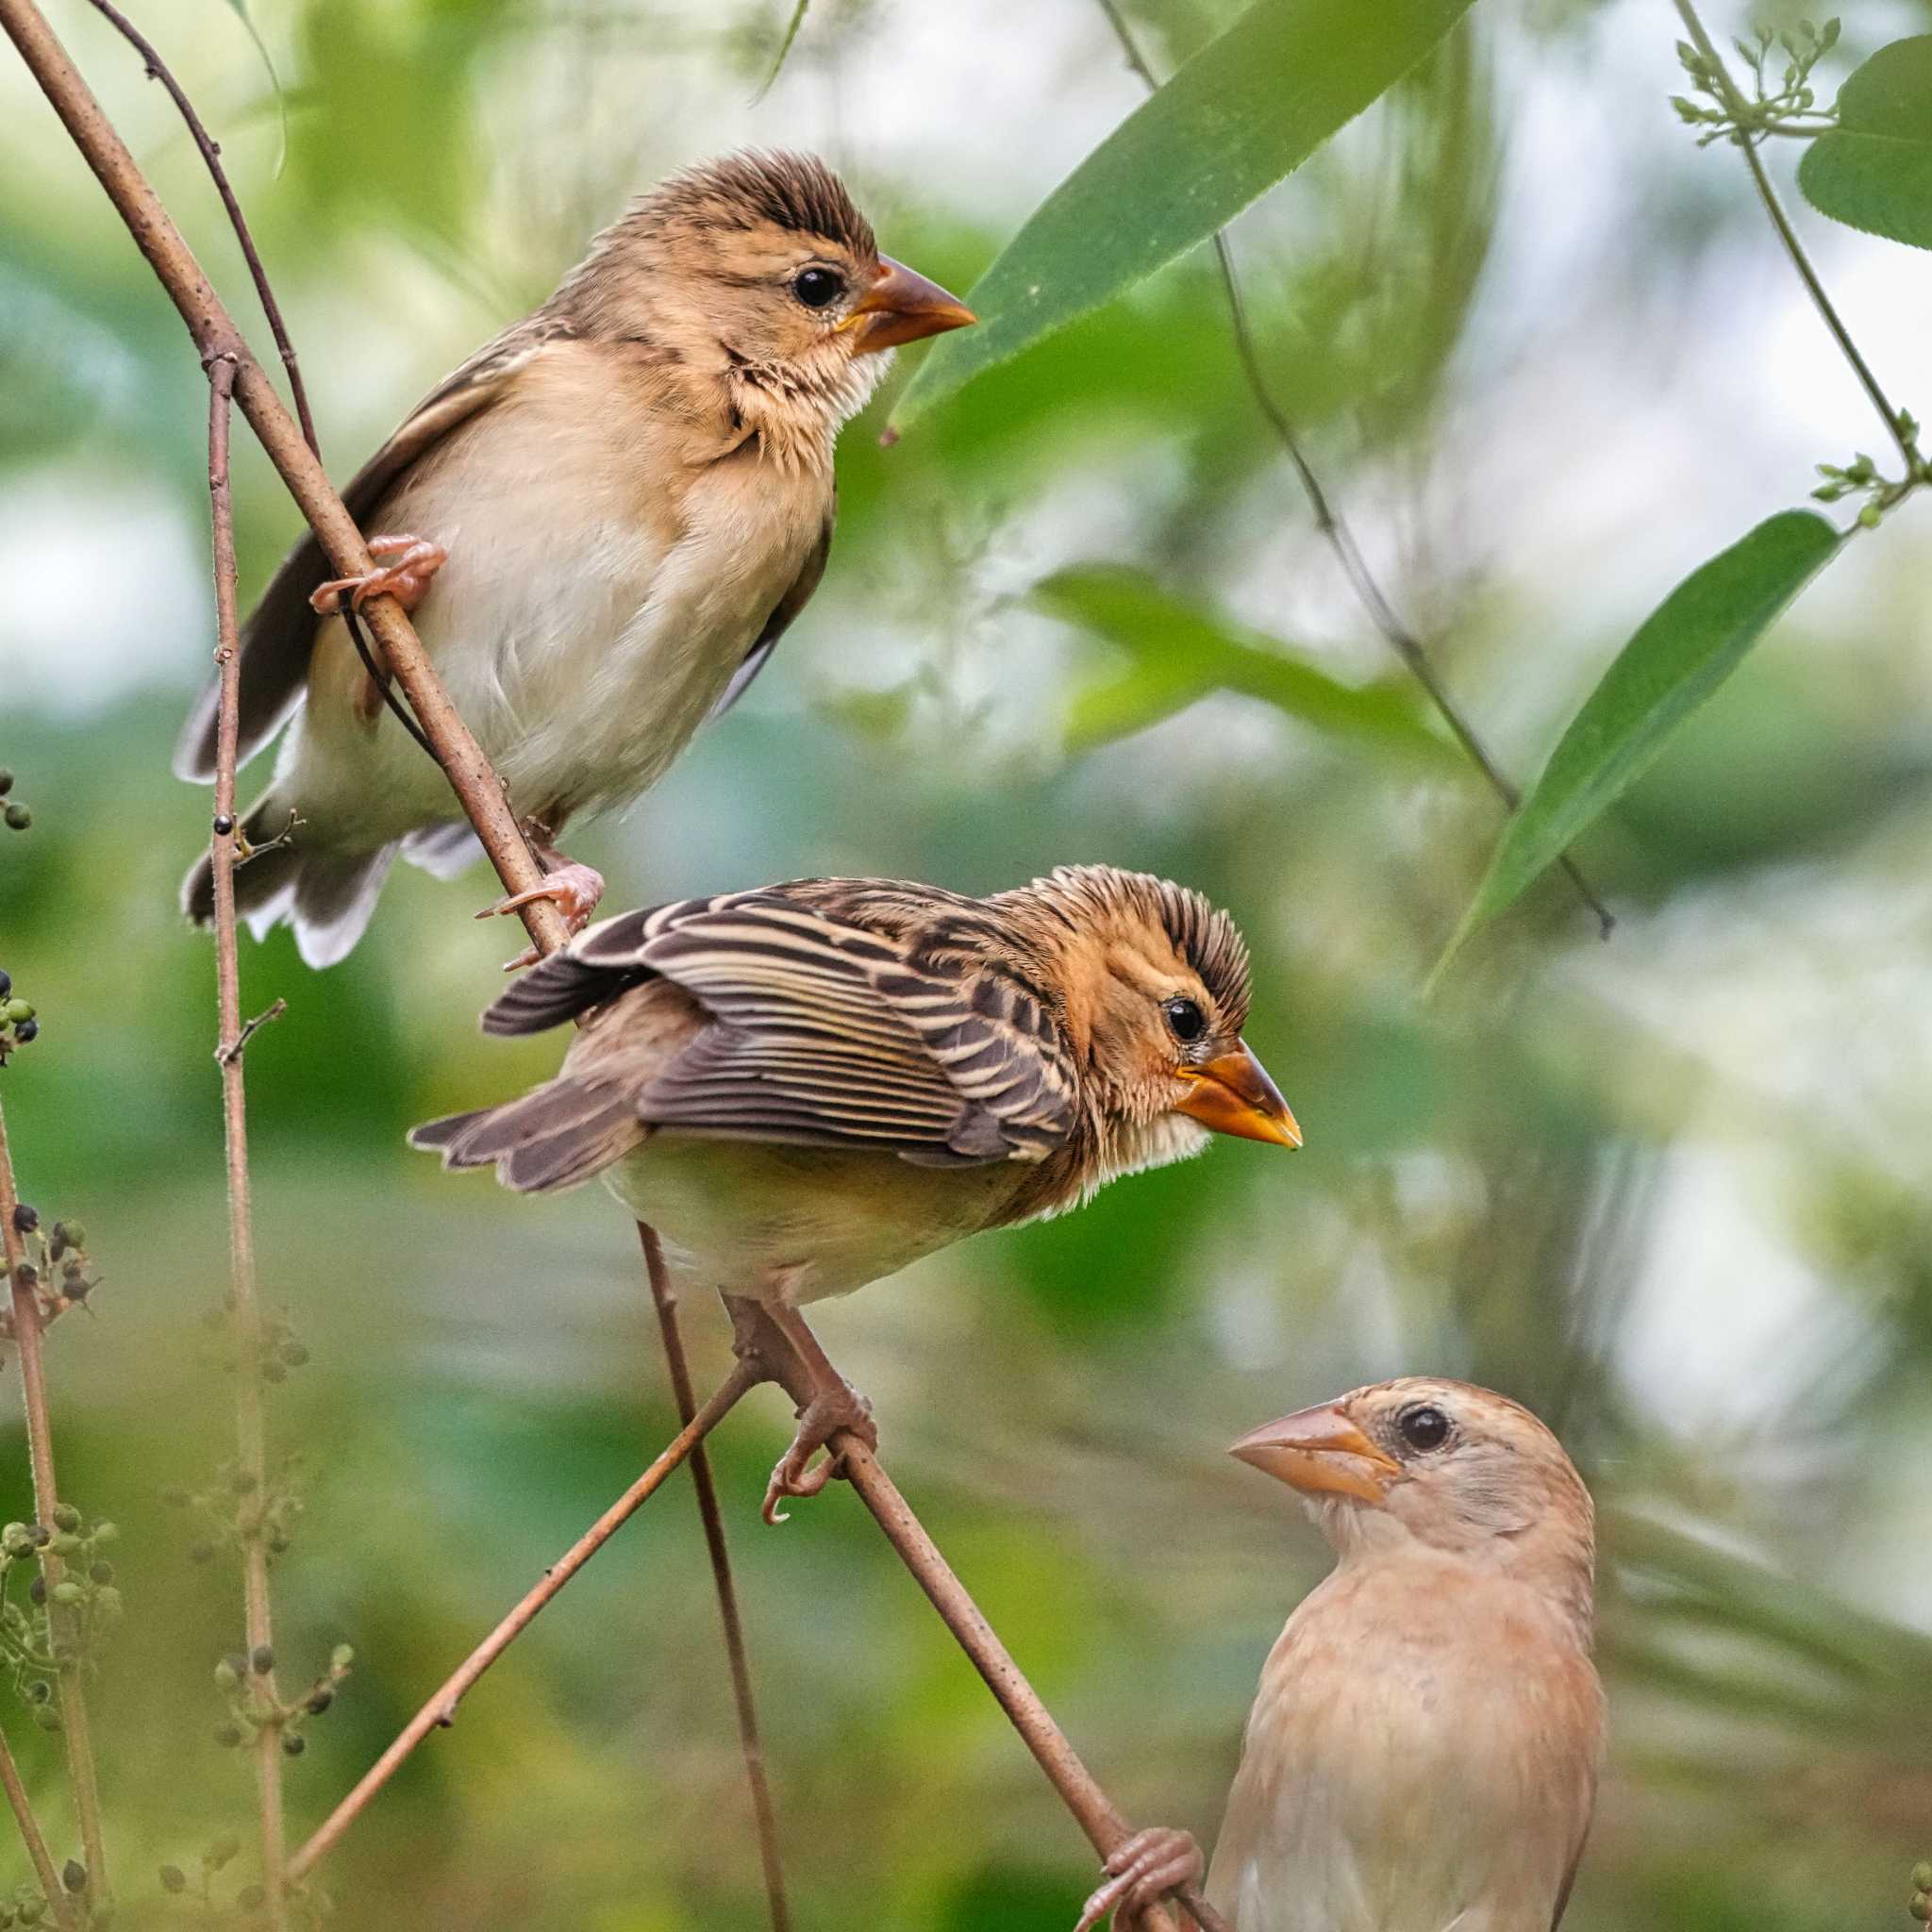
(326, 897)
(562, 1135)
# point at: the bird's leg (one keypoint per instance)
(576, 887)
(1140, 1872)
(835, 1403)
(414, 561)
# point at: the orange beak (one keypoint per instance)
(1232, 1095)
(901, 307)
(1320, 1453)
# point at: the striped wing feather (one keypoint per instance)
(826, 1032)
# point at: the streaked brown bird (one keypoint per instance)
(623, 501)
(806, 1087)
(1423, 1755)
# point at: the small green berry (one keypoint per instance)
(74, 1233)
(18, 818)
(17, 1011)
(236, 1664)
(293, 1744)
(229, 1735)
(66, 1516)
(101, 1573)
(68, 1594)
(340, 1657)
(225, 1676)
(1921, 1876)
(224, 1850)
(320, 1699)
(109, 1606)
(1921, 1907)
(37, 1591)
(47, 1717)
(39, 1690)
(65, 1544)
(1870, 517)
(73, 1876)
(251, 1898)
(173, 1878)
(262, 1660)
(6, 781)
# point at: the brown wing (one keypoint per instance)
(787, 606)
(824, 1032)
(280, 632)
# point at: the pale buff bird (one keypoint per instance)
(1423, 1755)
(623, 501)
(806, 1087)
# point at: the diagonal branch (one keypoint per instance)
(1736, 104)
(251, 1421)
(440, 1712)
(31, 1836)
(1334, 529)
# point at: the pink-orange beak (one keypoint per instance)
(903, 307)
(1232, 1095)
(1320, 1452)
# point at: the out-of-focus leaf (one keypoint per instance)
(1181, 654)
(1873, 170)
(1246, 110)
(778, 59)
(1681, 653)
(239, 8)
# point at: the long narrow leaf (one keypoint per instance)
(1681, 653)
(1246, 109)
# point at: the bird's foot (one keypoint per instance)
(575, 887)
(1142, 1870)
(822, 1418)
(413, 561)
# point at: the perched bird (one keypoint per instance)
(1423, 1755)
(809, 1085)
(623, 501)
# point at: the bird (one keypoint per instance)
(806, 1086)
(605, 520)
(1424, 1748)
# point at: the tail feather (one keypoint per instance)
(326, 897)
(560, 1135)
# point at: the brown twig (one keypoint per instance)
(1334, 529)
(31, 1836)
(763, 1813)
(251, 1421)
(159, 70)
(440, 1711)
(1093, 1809)
(40, 1443)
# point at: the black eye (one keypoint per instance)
(1184, 1020)
(1425, 1427)
(815, 287)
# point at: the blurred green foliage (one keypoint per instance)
(1671, 1190)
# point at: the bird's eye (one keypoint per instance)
(1184, 1020)
(815, 287)
(1424, 1426)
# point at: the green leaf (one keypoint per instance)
(1681, 653)
(1246, 109)
(1180, 654)
(1873, 170)
(239, 8)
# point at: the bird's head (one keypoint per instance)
(758, 268)
(1155, 989)
(1458, 1469)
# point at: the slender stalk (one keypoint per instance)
(159, 70)
(763, 1813)
(40, 1443)
(31, 1836)
(1335, 531)
(251, 1421)
(1093, 1809)
(440, 1712)
(1735, 102)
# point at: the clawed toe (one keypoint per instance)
(1142, 1870)
(575, 887)
(414, 561)
(819, 1421)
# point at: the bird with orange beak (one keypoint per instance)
(1423, 1752)
(608, 518)
(806, 1087)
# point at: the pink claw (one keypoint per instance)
(1140, 1870)
(416, 560)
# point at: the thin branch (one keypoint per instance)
(440, 1712)
(39, 1442)
(1735, 102)
(251, 1422)
(211, 153)
(1334, 529)
(763, 1813)
(31, 1836)
(1093, 1809)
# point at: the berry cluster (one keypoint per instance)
(18, 1026)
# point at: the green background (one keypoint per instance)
(1671, 1190)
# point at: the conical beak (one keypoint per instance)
(1232, 1095)
(1320, 1453)
(901, 307)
